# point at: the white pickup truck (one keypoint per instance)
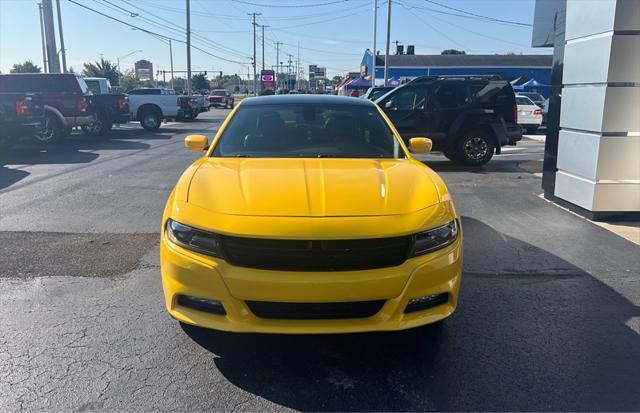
(151, 105)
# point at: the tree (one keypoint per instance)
(199, 82)
(27, 67)
(103, 68)
(453, 51)
(128, 81)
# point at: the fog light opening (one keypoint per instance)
(202, 304)
(426, 301)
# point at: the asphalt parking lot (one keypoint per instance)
(549, 315)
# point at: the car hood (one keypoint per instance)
(312, 187)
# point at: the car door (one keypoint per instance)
(406, 109)
(443, 108)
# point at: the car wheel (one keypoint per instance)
(452, 155)
(151, 120)
(232, 104)
(51, 130)
(97, 127)
(475, 148)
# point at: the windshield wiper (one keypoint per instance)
(325, 155)
(242, 155)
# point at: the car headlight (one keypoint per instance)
(434, 239)
(193, 239)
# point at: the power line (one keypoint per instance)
(153, 33)
(478, 15)
(201, 39)
(290, 5)
(463, 29)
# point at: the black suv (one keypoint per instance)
(468, 118)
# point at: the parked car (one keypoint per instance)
(468, 118)
(529, 114)
(535, 97)
(21, 114)
(108, 108)
(64, 96)
(374, 93)
(151, 106)
(361, 237)
(191, 107)
(220, 98)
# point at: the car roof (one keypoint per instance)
(300, 99)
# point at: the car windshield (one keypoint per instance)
(83, 86)
(379, 92)
(523, 100)
(218, 92)
(536, 97)
(307, 131)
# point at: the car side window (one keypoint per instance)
(411, 98)
(448, 96)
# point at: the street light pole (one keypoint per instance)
(255, 77)
(44, 46)
(122, 57)
(171, 59)
(386, 56)
(64, 55)
(263, 26)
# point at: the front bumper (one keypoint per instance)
(187, 273)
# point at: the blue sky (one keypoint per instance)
(332, 33)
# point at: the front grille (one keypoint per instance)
(314, 311)
(328, 255)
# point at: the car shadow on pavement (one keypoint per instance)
(543, 335)
(10, 176)
(495, 165)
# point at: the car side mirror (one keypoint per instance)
(196, 143)
(420, 145)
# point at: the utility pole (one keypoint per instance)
(44, 45)
(171, 59)
(386, 56)
(277, 63)
(289, 85)
(263, 26)
(375, 32)
(298, 67)
(50, 36)
(188, 48)
(64, 55)
(248, 77)
(255, 77)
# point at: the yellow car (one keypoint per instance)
(308, 214)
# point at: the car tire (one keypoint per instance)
(475, 148)
(452, 155)
(151, 120)
(232, 105)
(51, 130)
(97, 127)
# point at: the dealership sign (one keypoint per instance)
(267, 79)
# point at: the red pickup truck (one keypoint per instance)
(221, 98)
(63, 96)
